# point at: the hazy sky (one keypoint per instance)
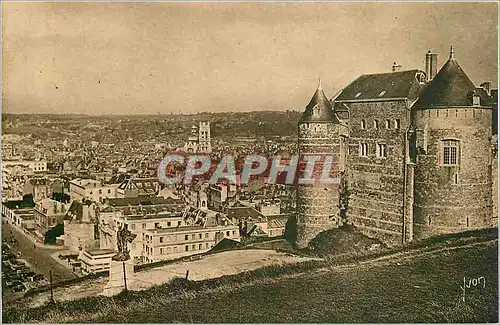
(99, 58)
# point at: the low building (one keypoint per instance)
(170, 243)
(96, 261)
(49, 217)
(138, 213)
(136, 187)
(276, 227)
(90, 189)
(111, 223)
(20, 213)
(39, 187)
(217, 196)
(35, 166)
(81, 225)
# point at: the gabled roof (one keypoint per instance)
(244, 212)
(319, 109)
(401, 84)
(451, 87)
(75, 210)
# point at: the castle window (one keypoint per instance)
(450, 151)
(363, 124)
(375, 124)
(363, 149)
(387, 124)
(381, 150)
(397, 124)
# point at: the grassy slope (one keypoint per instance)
(413, 286)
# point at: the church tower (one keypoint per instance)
(204, 142)
(321, 133)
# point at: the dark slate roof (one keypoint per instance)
(76, 209)
(450, 87)
(400, 84)
(225, 244)
(319, 109)
(19, 204)
(244, 212)
(135, 201)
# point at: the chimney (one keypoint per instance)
(486, 86)
(396, 67)
(431, 62)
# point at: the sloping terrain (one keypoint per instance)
(421, 283)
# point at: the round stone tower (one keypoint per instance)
(319, 132)
(453, 175)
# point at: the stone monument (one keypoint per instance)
(121, 270)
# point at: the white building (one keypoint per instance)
(96, 261)
(90, 189)
(34, 165)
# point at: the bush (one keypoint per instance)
(342, 240)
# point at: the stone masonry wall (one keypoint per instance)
(317, 204)
(452, 198)
(376, 204)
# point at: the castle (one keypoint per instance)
(414, 151)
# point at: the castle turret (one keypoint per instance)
(319, 132)
(452, 122)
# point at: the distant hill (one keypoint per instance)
(140, 127)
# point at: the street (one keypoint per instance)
(39, 258)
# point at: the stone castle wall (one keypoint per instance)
(377, 185)
(317, 204)
(452, 198)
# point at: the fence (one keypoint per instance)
(65, 283)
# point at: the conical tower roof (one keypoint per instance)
(319, 109)
(450, 87)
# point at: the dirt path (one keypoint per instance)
(214, 266)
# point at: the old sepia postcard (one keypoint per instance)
(249, 162)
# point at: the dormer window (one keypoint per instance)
(382, 93)
(357, 95)
(420, 78)
(476, 100)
